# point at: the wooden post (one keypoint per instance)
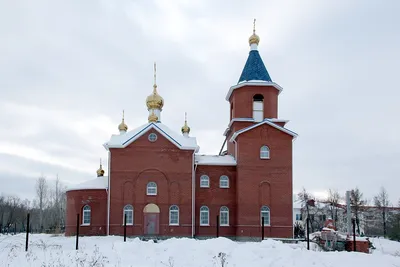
(125, 228)
(15, 228)
(308, 233)
(27, 232)
(217, 225)
(77, 232)
(262, 228)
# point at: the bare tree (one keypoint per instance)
(381, 201)
(57, 207)
(333, 200)
(3, 208)
(41, 194)
(357, 204)
(307, 201)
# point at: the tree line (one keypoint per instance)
(47, 209)
(377, 216)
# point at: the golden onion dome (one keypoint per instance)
(154, 101)
(100, 171)
(153, 117)
(254, 38)
(122, 126)
(185, 127)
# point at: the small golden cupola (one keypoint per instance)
(254, 39)
(100, 171)
(155, 102)
(185, 128)
(122, 127)
(153, 117)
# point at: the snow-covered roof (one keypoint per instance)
(265, 121)
(217, 160)
(123, 140)
(250, 120)
(98, 183)
(252, 83)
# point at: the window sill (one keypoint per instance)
(174, 224)
(128, 224)
(204, 225)
(266, 225)
(265, 158)
(151, 195)
(224, 225)
(85, 224)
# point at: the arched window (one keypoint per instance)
(258, 107)
(224, 181)
(128, 211)
(152, 189)
(224, 216)
(265, 213)
(204, 216)
(86, 212)
(264, 152)
(204, 181)
(174, 215)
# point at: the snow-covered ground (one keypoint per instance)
(47, 250)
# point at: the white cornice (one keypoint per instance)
(252, 83)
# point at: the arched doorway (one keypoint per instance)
(151, 214)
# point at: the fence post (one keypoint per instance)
(262, 228)
(27, 232)
(217, 225)
(125, 228)
(354, 234)
(77, 232)
(308, 233)
(15, 228)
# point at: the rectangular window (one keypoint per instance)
(173, 220)
(258, 114)
(86, 217)
(224, 220)
(129, 217)
(204, 218)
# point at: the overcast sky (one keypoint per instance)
(68, 68)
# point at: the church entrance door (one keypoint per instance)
(151, 214)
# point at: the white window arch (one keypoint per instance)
(266, 214)
(264, 152)
(128, 211)
(258, 107)
(224, 181)
(204, 181)
(174, 215)
(204, 216)
(151, 189)
(86, 215)
(224, 216)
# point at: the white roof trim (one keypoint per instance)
(249, 120)
(252, 83)
(122, 141)
(265, 121)
(215, 160)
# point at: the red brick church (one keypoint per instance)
(158, 179)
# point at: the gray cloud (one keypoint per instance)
(68, 69)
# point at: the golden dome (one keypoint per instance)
(185, 127)
(154, 101)
(153, 117)
(254, 38)
(122, 126)
(100, 171)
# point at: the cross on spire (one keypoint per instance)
(254, 26)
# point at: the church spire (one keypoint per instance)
(122, 127)
(185, 128)
(254, 70)
(154, 101)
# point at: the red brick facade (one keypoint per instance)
(254, 182)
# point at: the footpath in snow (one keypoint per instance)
(48, 250)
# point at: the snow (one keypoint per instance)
(226, 160)
(48, 250)
(98, 183)
(123, 140)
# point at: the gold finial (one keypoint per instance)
(153, 117)
(122, 126)
(185, 128)
(155, 101)
(254, 38)
(100, 171)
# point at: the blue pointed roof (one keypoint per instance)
(254, 69)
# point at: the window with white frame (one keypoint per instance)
(128, 212)
(224, 216)
(174, 215)
(265, 213)
(204, 181)
(264, 152)
(258, 108)
(86, 212)
(204, 216)
(152, 189)
(224, 181)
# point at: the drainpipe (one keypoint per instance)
(109, 193)
(194, 165)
